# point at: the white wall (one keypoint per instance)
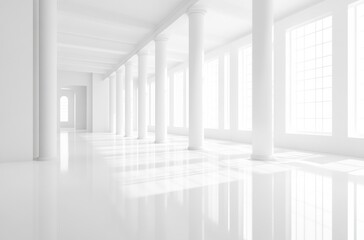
(81, 107)
(73, 79)
(16, 80)
(100, 107)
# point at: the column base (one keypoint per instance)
(160, 141)
(43, 159)
(141, 137)
(191, 148)
(262, 157)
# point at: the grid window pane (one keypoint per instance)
(227, 91)
(178, 99)
(356, 72)
(309, 77)
(152, 103)
(211, 97)
(245, 88)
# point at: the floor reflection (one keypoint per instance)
(123, 188)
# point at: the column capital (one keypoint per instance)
(112, 76)
(120, 70)
(161, 38)
(143, 52)
(197, 9)
(129, 63)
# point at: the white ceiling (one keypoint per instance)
(97, 36)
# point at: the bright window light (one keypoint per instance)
(309, 78)
(245, 88)
(178, 92)
(64, 109)
(186, 101)
(167, 97)
(152, 103)
(211, 97)
(148, 104)
(227, 91)
(311, 206)
(356, 70)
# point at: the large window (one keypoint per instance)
(356, 69)
(227, 91)
(178, 93)
(211, 96)
(309, 77)
(245, 88)
(64, 109)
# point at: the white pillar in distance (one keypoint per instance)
(262, 37)
(160, 88)
(128, 99)
(120, 99)
(196, 61)
(48, 103)
(142, 93)
(112, 103)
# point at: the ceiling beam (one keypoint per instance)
(92, 43)
(79, 69)
(98, 56)
(94, 14)
(95, 37)
(91, 49)
(85, 63)
(92, 30)
(86, 60)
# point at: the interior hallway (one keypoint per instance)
(110, 187)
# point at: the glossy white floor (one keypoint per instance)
(107, 187)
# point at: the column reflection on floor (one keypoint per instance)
(163, 191)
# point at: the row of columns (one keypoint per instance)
(262, 83)
(262, 137)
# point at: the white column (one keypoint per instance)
(160, 88)
(196, 61)
(120, 98)
(48, 132)
(128, 99)
(262, 138)
(112, 104)
(142, 93)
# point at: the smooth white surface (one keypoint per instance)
(16, 80)
(100, 104)
(142, 94)
(262, 38)
(110, 187)
(112, 103)
(128, 99)
(35, 79)
(81, 107)
(48, 100)
(196, 77)
(160, 88)
(120, 102)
